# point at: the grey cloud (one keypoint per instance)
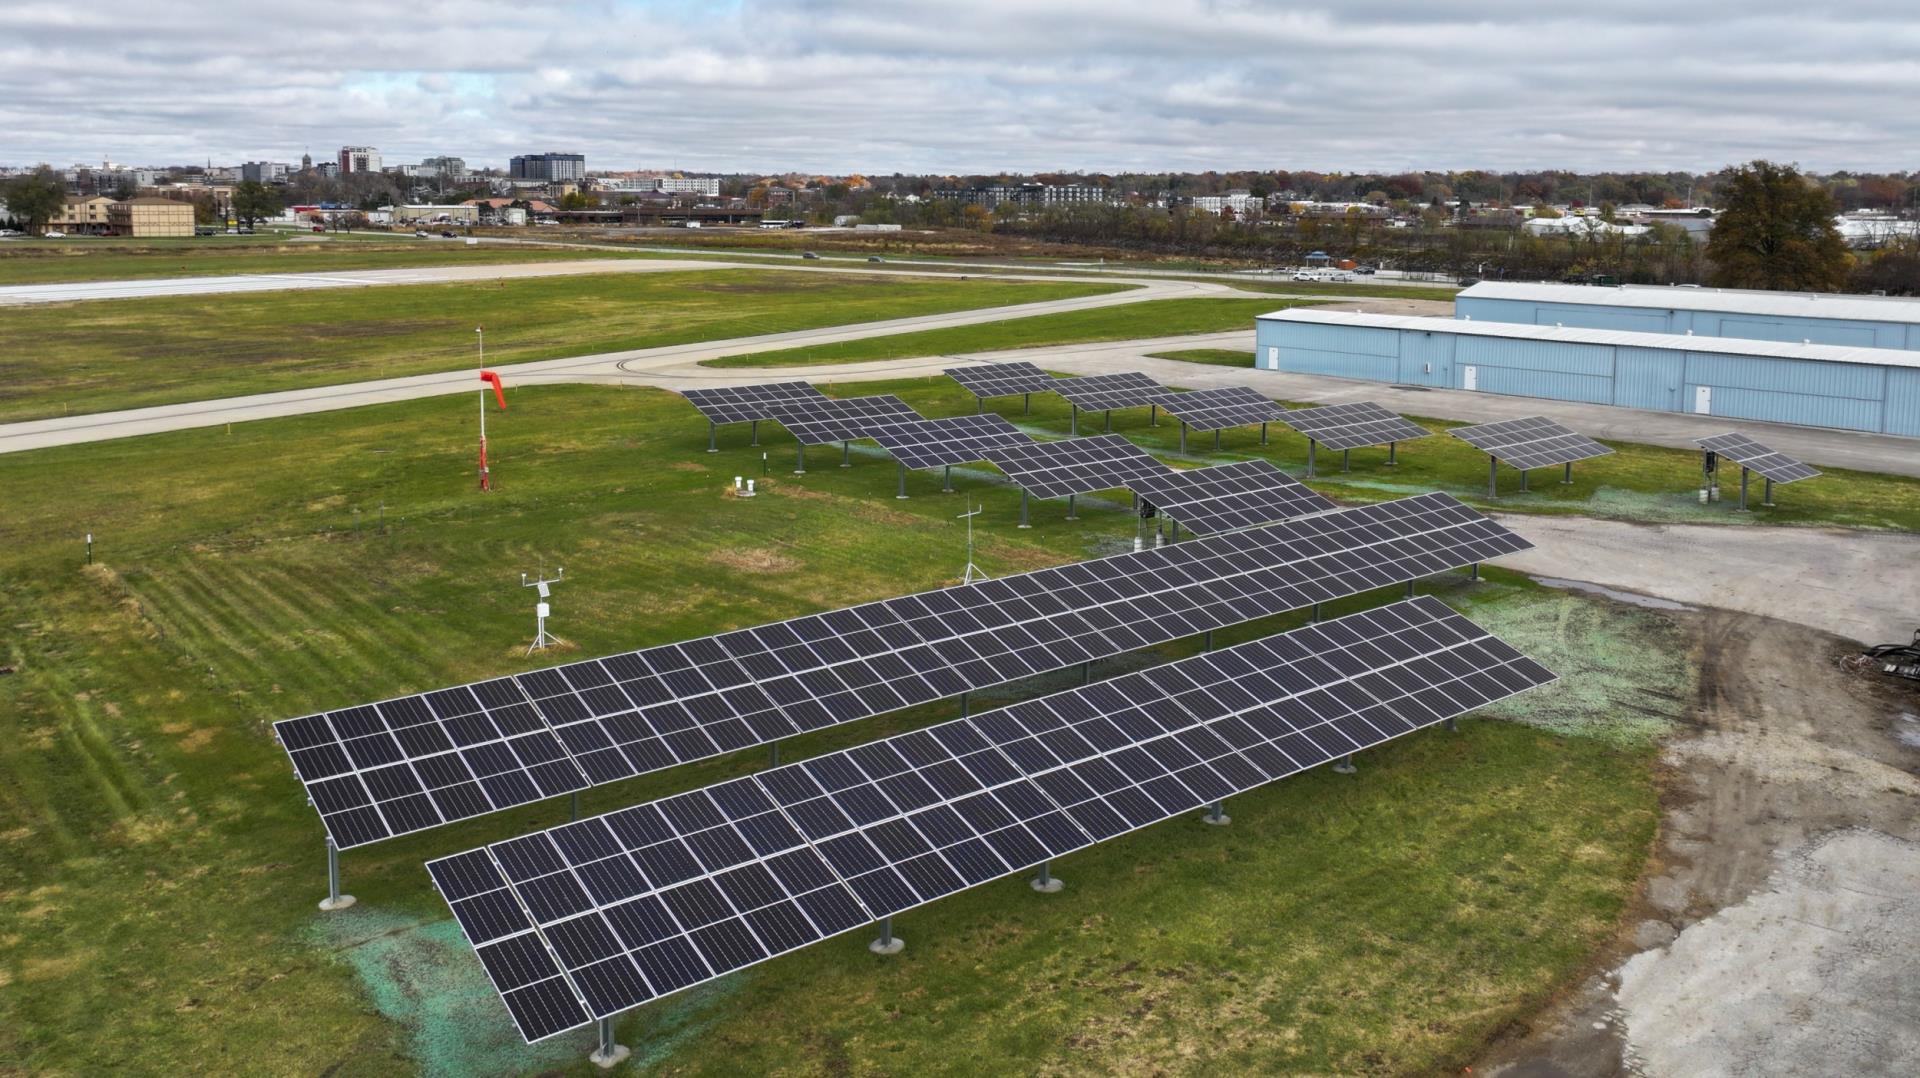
(986, 86)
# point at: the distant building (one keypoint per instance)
(263, 172)
(82, 215)
(549, 167)
(150, 217)
(1026, 194)
(359, 159)
(688, 185)
(465, 214)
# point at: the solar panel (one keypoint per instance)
(1228, 496)
(415, 762)
(1002, 379)
(1351, 426)
(1107, 392)
(1217, 409)
(1750, 454)
(1533, 442)
(931, 443)
(592, 918)
(741, 404)
(1074, 465)
(841, 420)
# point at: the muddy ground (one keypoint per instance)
(1777, 928)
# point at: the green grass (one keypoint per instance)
(1216, 357)
(67, 261)
(158, 867)
(1438, 293)
(105, 355)
(1150, 318)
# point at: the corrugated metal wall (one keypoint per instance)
(1845, 331)
(1848, 396)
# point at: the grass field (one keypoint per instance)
(105, 355)
(1150, 318)
(109, 259)
(158, 868)
(1213, 357)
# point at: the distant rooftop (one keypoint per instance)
(1725, 300)
(1732, 346)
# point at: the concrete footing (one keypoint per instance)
(606, 1060)
(340, 902)
(891, 945)
(1345, 766)
(1049, 886)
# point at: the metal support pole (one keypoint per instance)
(846, 454)
(1174, 527)
(573, 806)
(1026, 404)
(1409, 589)
(946, 480)
(888, 943)
(1263, 434)
(1044, 882)
(1108, 422)
(1345, 766)
(1316, 612)
(1209, 642)
(1453, 724)
(1523, 479)
(1766, 492)
(1153, 415)
(334, 900)
(1311, 446)
(1217, 814)
(713, 436)
(1493, 476)
(963, 705)
(1346, 460)
(1743, 488)
(980, 405)
(800, 465)
(608, 1055)
(1475, 570)
(1070, 515)
(903, 482)
(1086, 673)
(1183, 437)
(1566, 478)
(1023, 510)
(773, 754)
(1074, 420)
(756, 433)
(1216, 439)
(1393, 456)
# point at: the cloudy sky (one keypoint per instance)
(971, 86)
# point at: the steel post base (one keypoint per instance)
(890, 945)
(607, 1060)
(337, 902)
(1345, 766)
(1216, 817)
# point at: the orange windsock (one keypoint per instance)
(499, 392)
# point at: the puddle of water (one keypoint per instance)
(1906, 730)
(1648, 601)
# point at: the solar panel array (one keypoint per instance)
(841, 420)
(1106, 392)
(1002, 379)
(1748, 453)
(1228, 406)
(1353, 425)
(931, 443)
(741, 404)
(587, 920)
(415, 762)
(1074, 465)
(1533, 442)
(1226, 497)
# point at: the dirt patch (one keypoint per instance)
(687, 466)
(789, 491)
(761, 560)
(1785, 752)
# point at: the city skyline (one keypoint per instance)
(996, 87)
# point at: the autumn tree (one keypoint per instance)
(1776, 232)
(253, 200)
(33, 199)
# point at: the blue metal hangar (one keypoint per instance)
(1797, 317)
(1816, 385)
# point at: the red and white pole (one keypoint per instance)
(499, 394)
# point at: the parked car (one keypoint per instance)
(875, 258)
(1365, 271)
(808, 254)
(52, 235)
(319, 228)
(446, 234)
(422, 233)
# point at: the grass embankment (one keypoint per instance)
(107, 259)
(105, 355)
(158, 868)
(1212, 357)
(1122, 322)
